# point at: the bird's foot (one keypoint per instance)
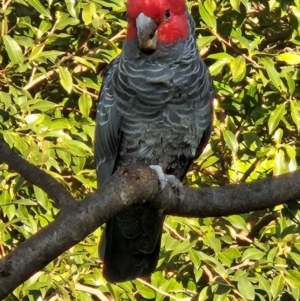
(164, 179)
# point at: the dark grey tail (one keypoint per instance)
(130, 244)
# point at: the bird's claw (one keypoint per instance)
(163, 178)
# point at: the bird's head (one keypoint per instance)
(156, 21)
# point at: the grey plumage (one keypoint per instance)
(153, 109)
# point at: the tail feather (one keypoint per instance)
(131, 252)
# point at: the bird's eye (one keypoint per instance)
(167, 14)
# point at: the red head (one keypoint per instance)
(168, 18)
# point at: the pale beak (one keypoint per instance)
(146, 32)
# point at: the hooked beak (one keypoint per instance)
(146, 32)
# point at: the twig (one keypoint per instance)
(250, 170)
(119, 35)
(41, 78)
(243, 237)
(94, 96)
(174, 232)
(236, 49)
(5, 4)
(208, 273)
(160, 291)
(92, 291)
(244, 264)
(54, 72)
(49, 74)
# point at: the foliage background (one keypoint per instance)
(52, 54)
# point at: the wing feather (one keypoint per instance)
(108, 120)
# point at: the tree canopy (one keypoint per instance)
(52, 55)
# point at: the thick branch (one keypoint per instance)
(75, 222)
(230, 199)
(36, 176)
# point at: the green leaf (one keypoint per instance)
(34, 119)
(84, 62)
(278, 136)
(41, 197)
(145, 291)
(5, 100)
(194, 257)
(238, 68)
(279, 163)
(273, 73)
(13, 50)
(207, 17)
(214, 243)
(296, 293)
(182, 247)
(35, 104)
(51, 53)
(204, 41)
(88, 12)
(36, 4)
(252, 254)
(85, 103)
(231, 141)
(275, 117)
(170, 243)
(295, 114)
(235, 5)
(72, 9)
(277, 286)
(291, 83)
(76, 148)
(293, 278)
(217, 67)
(289, 57)
(295, 257)
(36, 51)
(236, 221)
(263, 284)
(65, 79)
(246, 288)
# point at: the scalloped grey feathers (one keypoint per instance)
(153, 109)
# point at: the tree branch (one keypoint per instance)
(75, 222)
(230, 199)
(36, 176)
(130, 185)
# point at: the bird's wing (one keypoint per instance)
(206, 100)
(107, 132)
(204, 120)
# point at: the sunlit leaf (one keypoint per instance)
(277, 285)
(275, 117)
(238, 68)
(235, 4)
(207, 17)
(88, 12)
(246, 288)
(65, 79)
(231, 141)
(85, 103)
(289, 58)
(36, 4)
(295, 114)
(14, 51)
